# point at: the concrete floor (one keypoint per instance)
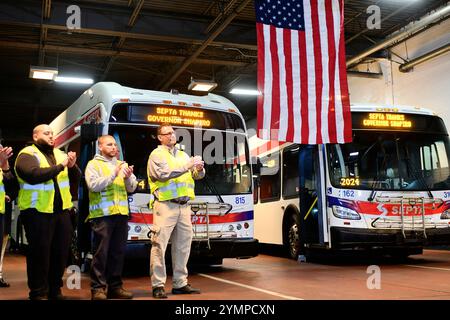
(268, 277)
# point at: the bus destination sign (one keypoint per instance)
(386, 120)
(177, 116)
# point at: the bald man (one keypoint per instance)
(44, 201)
(109, 180)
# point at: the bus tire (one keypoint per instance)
(291, 236)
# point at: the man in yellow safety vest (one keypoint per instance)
(5, 175)
(171, 173)
(108, 181)
(44, 201)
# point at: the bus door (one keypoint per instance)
(310, 189)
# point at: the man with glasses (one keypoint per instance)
(171, 174)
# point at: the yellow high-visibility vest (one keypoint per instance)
(182, 186)
(41, 196)
(2, 193)
(111, 201)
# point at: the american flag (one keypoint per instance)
(302, 72)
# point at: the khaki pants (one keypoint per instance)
(172, 222)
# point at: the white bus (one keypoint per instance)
(222, 213)
(389, 189)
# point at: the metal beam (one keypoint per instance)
(135, 13)
(382, 20)
(42, 41)
(220, 16)
(430, 55)
(124, 54)
(173, 75)
(440, 13)
(346, 22)
(47, 8)
(130, 35)
(122, 40)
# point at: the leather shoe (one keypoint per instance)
(98, 294)
(119, 293)
(159, 293)
(3, 283)
(57, 296)
(187, 289)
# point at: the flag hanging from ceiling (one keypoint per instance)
(302, 73)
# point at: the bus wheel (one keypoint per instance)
(292, 238)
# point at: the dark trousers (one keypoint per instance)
(109, 243)
(2, 219)
(48, 236)
(2, 228)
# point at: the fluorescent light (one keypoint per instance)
(74, 80)
(246, 92)
(44, 73)
(202, 85)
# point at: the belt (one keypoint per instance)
(180, 202)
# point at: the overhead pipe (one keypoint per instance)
(428, 56)
(362, 74)
(415, 27)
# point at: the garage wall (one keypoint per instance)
(427, 85)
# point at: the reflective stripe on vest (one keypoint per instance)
(182, 186)
(111, 201)
(41, 196)
(2, 193)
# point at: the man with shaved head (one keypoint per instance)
(109, 180)
(44, 201)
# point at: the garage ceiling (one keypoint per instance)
(148, 44)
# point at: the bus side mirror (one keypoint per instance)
(91, 131)
(256, 166)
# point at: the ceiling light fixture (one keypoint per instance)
(247, 92)
(74, 80)
(202, 85)
(44, 73)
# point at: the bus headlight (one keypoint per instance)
(445, 214)
(345, 213)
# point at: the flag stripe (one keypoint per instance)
(267, 109)
(304, 84)
(296, 87)
(261, 77)
(310, 66)
(331, 70)
(275, 119)
(347, 120)
(289, 92)
(318, 68)
(283, 89)
(338, 103)
(325, 98)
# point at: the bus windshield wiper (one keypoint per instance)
(417, 175)
(377, 177)
(212, 188)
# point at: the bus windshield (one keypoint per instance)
(391, 161)
(225, 154)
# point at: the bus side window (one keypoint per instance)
(255, 190)
(307, 171)
(290, 173)
(75, 175)
(270, 178)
